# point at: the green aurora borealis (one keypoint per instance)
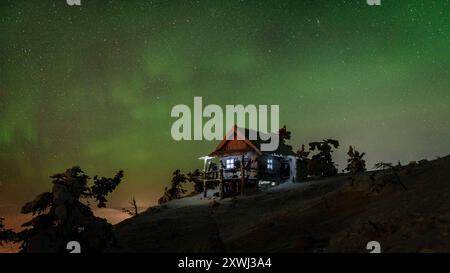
(94, 85)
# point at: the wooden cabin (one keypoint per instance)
(260, 169)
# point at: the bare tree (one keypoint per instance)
(133, 210)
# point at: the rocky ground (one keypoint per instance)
(408, 214)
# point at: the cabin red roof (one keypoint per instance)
(240, 140)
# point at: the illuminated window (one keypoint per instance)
(270, 164)
(229, 164)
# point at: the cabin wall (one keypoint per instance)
(284, 168)
(236, 172)
(293, 167)
(301, 170)
(267, 174)
(259, 168)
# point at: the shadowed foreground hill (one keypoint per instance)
(328, 215)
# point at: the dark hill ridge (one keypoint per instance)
(327, 215)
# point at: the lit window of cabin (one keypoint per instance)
(229, 164)
(270, 164)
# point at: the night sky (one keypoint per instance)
(94, 85)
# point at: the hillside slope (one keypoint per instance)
(327, 215)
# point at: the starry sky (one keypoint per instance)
(94, 85)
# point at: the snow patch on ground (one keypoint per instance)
(198, 199)
(113, 215)
(195, 200)
(288, 186)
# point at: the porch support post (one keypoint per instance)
(205, 189)
(221, 186)
(242, 174)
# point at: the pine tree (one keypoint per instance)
(355, 162)
(6, 235)
(175, 191)
(284, 135)
(62, 216)
(322, 162)
(195, 177)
